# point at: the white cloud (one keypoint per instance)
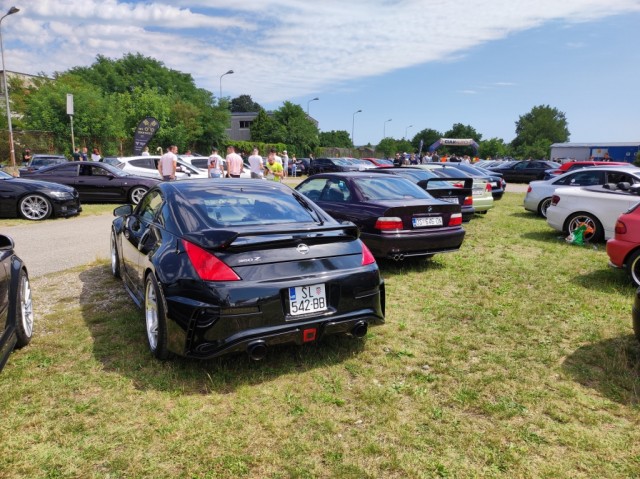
(279, 49)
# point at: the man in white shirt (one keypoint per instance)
(285, 163)
(256, 164)
(167, 164)
(215, 164)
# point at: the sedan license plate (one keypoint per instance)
(307, 299)
(450, 199)
(434, 221)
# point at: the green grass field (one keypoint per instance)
(512, 358)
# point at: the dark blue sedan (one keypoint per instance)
(396, 217)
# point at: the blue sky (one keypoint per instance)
(420, 63)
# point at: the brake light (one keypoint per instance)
(207, 265)
(529, 189)
(367, 257)
(458, 185)
(555, 199)
(386, 223)
(468, 201)
(488, 187)
(455, 219)
(621, 228)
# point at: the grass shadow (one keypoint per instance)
(390, 268)
(611, 367)
(605, 280)
(120, 345)
(547, 236)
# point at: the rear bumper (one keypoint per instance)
(414, 243)
(618, 251)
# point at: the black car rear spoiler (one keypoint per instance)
(221, 239)
(467, 181)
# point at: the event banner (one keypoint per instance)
(144, 132)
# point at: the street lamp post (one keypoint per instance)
(11, 11)
(313, 99)
(384, 128)
(406, 130)
(230, 72)
(353, 123)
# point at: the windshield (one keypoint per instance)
(5, 176)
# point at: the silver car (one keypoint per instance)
(148, 166)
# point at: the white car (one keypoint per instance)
(148, 166)
(202, 162)
(539, 193)
(596, 207)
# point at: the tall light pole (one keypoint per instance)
(11, 11)
(384, 128)
(313, 99)
(353, 123)
(406, 130)
(230, 72)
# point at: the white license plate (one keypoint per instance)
(434, 221)
(450, 199)
(307, 299)
(494, 185)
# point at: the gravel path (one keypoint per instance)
(59, 244)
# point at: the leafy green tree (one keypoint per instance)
(387, 147)
(537, 130)
(299, 131)
(335, 138)
(243, 104)
(494, 147)
(265, 129)
(96, 121)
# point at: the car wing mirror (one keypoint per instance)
(124, 210)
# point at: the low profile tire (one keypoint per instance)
(155, 317)
(136, 193)
(35, 207)
(24, 311)
(594, 232)
(115, 257)
(633, 267)
(543, 207)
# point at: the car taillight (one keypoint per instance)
(207, 265)
(621, 228)
(529, 189)
(488, 187)
(388, 223)
(455, 219)
(468, 201)
(367, 257)
(555, 199)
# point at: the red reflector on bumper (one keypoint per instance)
(309, 335)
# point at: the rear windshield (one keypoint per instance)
(248, 208)
(389, 188)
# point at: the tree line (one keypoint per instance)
(112, 95)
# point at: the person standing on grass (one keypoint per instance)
(273, 168)
(215, 164)
(167, 164)
(234, 163)
(256, 164)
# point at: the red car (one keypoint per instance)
(380, 163)
(624, 248)
(574, 165)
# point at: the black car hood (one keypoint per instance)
(42, 184)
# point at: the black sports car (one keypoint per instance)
(458, 191)
(241, 265)
(396, 217)
(36, 200)
(16, 308)
(97, 181)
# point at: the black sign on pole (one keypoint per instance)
(144, 132)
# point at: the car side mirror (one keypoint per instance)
(124, 210)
